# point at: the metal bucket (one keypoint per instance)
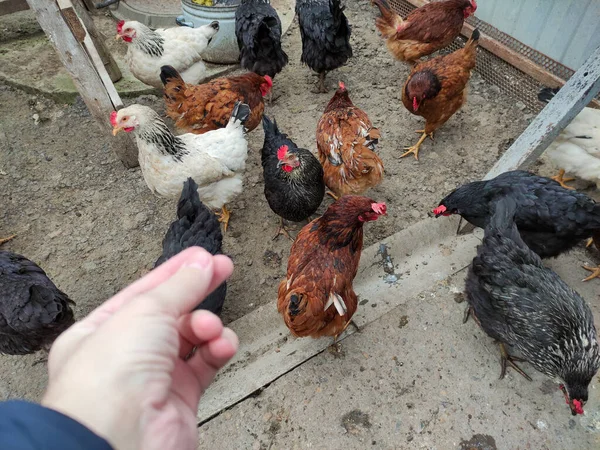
(224, 48)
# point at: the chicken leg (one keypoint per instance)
(282, 230)
(6, 239)
(595, 239)
(560, 178)
(332, 195)
(321, 84)
(415, 148)
(506, 359)
(224, 216)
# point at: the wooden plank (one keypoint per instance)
(581, 88)
(12, 6)
(268, 351)
(99, 55)
(104, 58)
(84, 75)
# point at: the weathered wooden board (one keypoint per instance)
(84, 74)
(12, 6)
(410, 262)
(562, 109)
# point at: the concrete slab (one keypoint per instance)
(390, 273)
(29, 62)
(414, 378)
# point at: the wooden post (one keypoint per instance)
(581, 88)
(98, 40)
(86, 78)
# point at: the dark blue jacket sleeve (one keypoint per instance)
(28, 426)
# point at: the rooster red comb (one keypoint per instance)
(282, 151)
(474, 5)
(578, 408)
(415, 104)
(269, 80)
(342, 85)
(439, 210)
(120, 24)
(113, 118)
(379, 208)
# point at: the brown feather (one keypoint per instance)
(205, 107)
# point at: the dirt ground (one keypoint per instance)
(95, 227)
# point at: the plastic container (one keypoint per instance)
(223, 49)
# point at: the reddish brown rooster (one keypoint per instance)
(205, 107)
(425, 30)
(346, 141)
(436, 89)
(317, 299)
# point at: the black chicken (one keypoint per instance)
(196, 225)
(520, 303)
(33, 311)
(258, 32)
(550, 218)
(294, 185)
(325, 36)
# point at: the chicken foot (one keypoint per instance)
(336, 345)
(415, 148)
(595, 239)
(6, 239)
(224, 216)
(507, 359)
(560, 178)
(282, 230)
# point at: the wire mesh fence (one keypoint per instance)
(511, 80)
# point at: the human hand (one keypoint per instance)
(121, 371)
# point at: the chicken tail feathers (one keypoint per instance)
(189, 203)
(240, 113)
(547, 94)
(473, 41)
(270, 127)
(168, 74)
(388, 21)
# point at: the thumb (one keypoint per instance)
(182, 292)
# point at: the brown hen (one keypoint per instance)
(317, 299)
(205, 107)
(436, 89)
(346, 141)
(426, 29)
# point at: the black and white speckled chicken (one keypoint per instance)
(521, 303)
(325, 34)
(33, 311)
(196, 225)
(550, 218)
(258, 33)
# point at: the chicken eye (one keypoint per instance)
(123, 119)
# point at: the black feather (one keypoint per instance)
(519, 302)
(196, 225)
(33, 311)
(325, 34)
(258, 33)
(294, 195)
(550, 218)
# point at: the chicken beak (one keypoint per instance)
(116, 130)
(118, 37)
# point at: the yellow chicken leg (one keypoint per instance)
(224, 216)
(415, 148)
(332, 195)
(595, 273)
(6, 239)
(560, 178)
